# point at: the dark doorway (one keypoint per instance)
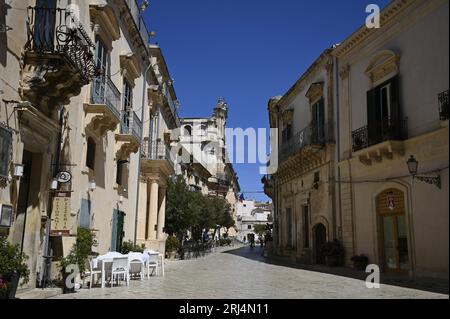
(320, 238)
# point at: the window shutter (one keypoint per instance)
(114, 230)
(321, 120)
(396, 121)
(85, 214)
(373, 117)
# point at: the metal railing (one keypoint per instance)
(104, 91)
(171, 103)
(443, 105)
(311, 135)
(156, 151)
(387, 130)
(57, 31)
(131, 124)
(138, 20)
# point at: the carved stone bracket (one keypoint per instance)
(100, 119)
(126, 145)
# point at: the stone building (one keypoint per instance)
(251, 213)
(386, 185)
(204, 159)
(157, 158)
(87, 105)
(304, 200)
(393, 104)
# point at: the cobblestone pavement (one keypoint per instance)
(230, 276)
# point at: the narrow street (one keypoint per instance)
(244, 274)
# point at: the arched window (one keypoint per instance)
(90, 154)
(188, 130)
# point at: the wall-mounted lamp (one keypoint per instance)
(54, 184)
(413, 167)
(120, 199)
(92, 185)
(18, 170)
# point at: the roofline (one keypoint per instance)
(386, 15)
(159, 52)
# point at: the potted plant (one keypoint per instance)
(172, 245)
(333, 253)
(360, 262)
(12, 269)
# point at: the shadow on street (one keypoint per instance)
(426, 284)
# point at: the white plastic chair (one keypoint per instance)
(137, 268)
(153, 263)
(120, 267)
(94, 271)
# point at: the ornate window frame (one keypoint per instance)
(384, 65)
(130, 66)
(105, 24)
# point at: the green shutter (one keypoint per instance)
(114, 230)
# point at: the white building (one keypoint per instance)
(251, 213)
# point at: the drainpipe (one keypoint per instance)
(144, 87)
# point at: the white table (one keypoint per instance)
(108, 258)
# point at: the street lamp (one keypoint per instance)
(413, 167)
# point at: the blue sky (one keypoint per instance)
(246, 51)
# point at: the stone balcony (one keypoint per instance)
(381, 141)
(128, 140)
(103, 110)
(156, 158)
(58, 58)
(269, 185)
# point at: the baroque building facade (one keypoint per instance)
(203, 157)
(388, 178)
(86, 113)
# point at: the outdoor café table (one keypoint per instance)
(107, 258)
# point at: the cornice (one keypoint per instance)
(386, 16)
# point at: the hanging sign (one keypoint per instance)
(62, 221)
(64, 177)
(391, 201)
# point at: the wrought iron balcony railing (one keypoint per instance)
(54, 31)
(140, 24)
(171, 103)
(387, 130)
(443, 105)
(105, 92)
(156, 151)
(131, 124)
(311, 135)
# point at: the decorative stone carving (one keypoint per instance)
(100, 119)
(383, 64)
(288, 116)
(130, 63)
(315, 92)
(126, 145)
(344, 72)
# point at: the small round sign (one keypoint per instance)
(64, 177)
